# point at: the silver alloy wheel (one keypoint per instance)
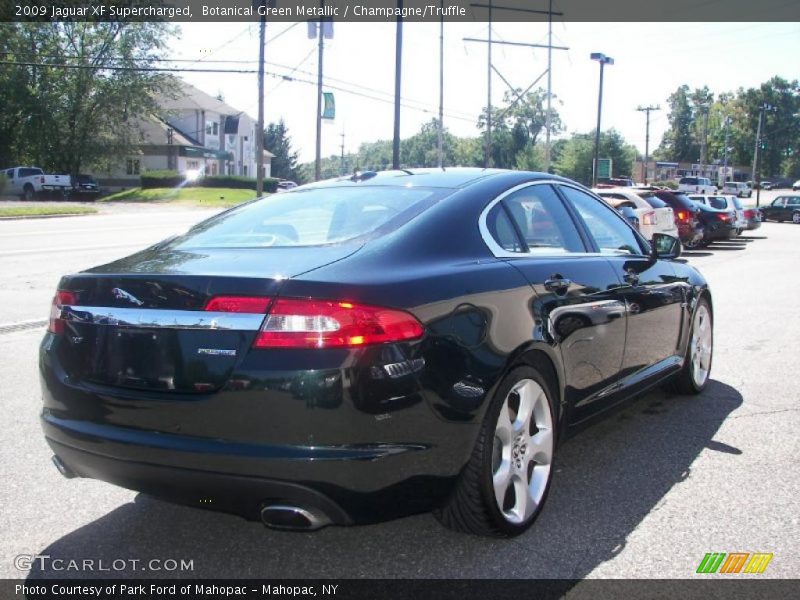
(523, 451)
(701, 346)
(796, 218)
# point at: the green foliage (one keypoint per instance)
(236, 182)
(277, 141)
(2, 183)
(71, 120)
(573, 157)
(781, 129)
(161, 179)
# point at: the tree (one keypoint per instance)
(517, 125)
(277, 141)
(63, 119)
(679, 142)
(573, 157)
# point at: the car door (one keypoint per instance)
(576, 303)
(775, 210)
(653, 295)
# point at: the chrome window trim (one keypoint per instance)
(496, 249)
(157, 318)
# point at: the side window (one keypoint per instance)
(777, 202)
(543, 221)
(610, 232)
(502, 230)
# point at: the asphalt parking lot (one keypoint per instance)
(643, 494)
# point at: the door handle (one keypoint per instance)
(557, 284)
(631, 277)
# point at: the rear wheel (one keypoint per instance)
(693, 377)
(504, 485)
(27, 192)
(796, 217)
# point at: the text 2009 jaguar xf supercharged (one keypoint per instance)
(371, 347)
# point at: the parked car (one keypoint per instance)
(796, 185)
(603, 182)
(718, 224)
(690, 229)
(696, 185)
(284, 185)
(26, 182)
(654, 214)
(753, 218)
(767, 185)
(723, 202)
(783, 208)
(85, 185)
(629, 212)
(366, 348)
(737, 188)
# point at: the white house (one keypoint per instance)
(195, 134)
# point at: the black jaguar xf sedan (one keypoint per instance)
(369, 347)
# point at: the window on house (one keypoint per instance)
(208, 129)
(216, 128)
(132, 166)
(192, 164)
(244, 170)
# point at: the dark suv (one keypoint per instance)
(690, 229)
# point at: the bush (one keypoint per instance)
(159, 179)
(167, 179)
(2, 183)
(667, 184)
(237, 182)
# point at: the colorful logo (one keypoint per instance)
(734, 562)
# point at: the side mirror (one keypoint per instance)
(665, 246)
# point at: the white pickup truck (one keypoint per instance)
(29, 181)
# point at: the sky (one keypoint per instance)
(651, 61)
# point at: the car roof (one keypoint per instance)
(449, 177)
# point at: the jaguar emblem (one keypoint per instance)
(121, 294)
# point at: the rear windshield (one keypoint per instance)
(311, 217)
(737, 203)
(653, 201)
(689, 180)
(29, 172)
(717, 202)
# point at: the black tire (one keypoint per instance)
(28, 192)
(796, 217)
(684, 381)
(471, 507)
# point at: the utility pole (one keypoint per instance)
(704, 144)
(341, 160)
(726, 126)
(487, 152)
(489, 68)
(260, 127)
(440, 132)
(756, 156)
(647, 110)
(320, 51)
(398, 62)
(549, 119)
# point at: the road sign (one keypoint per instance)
(329, 110)
(603, 168)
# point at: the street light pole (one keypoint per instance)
(603, 60)
(398, 62)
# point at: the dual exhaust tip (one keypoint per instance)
(276, 516)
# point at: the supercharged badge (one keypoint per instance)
(216, 352)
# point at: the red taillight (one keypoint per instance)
(41, 180)
(62, 298)
(238, 304)
(722, 217)
(303, 323)
(682, 216)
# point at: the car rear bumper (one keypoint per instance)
(352, 456)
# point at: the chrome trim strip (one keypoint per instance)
(161, 318)
(496, 249)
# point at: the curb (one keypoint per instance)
(24, 217)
